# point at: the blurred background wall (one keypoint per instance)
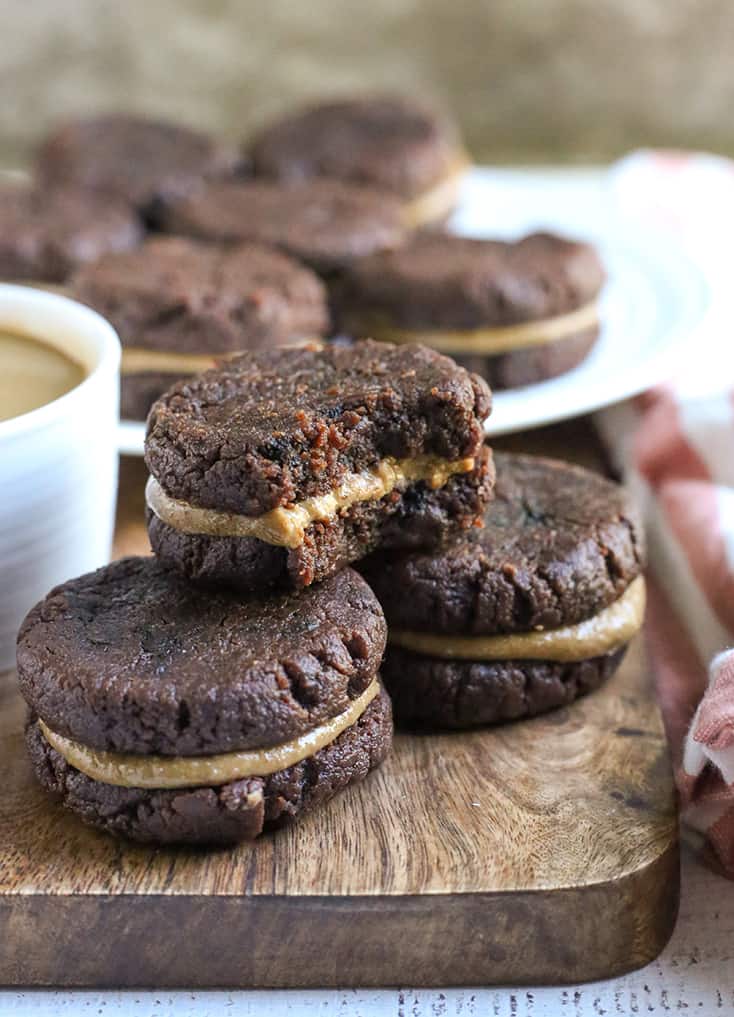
(529, 79)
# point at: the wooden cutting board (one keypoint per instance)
(540, 853)
(544, 852)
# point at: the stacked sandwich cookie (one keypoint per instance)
(180, 306)
(231, 683)
(165, 714)
(282, 467)
(49, 232)
(396, 144)
(327, 224)
(516, 313)
(523, 615)
(135, 159)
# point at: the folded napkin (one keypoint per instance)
(675, 447)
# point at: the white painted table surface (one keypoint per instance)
(694, 975)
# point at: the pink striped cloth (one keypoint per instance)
(675, 446)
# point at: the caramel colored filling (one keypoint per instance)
(286, 526)
(140, 361)
(606, 631)
(136, 360)
(492, 341)
(160, 772)
(438, 201)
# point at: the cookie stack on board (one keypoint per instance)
(321, 513)
(519, 616)
(231, 683)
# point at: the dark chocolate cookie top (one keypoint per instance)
(45, 233)
(443, 281)
(391, 142)
(181, 296)
(276, 426)
(133, 157)
(132, 658)
(325, 223)
(558, 545)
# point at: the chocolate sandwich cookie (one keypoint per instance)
(516, 313)
(283, 466)
(161, 713)
(395, 143)
(180, 306)
(519, 617)
(137, 159)
(325, 223)
(46, 233)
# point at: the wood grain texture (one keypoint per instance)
(542, 852)
(545, 852)
(694, 974)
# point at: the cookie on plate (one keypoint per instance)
(516, 312)
(180, 306)
(161, 713)
(325, 223)
(283, 466)
(135, 158)
(46, 233)
(519, 617)
(398, 144)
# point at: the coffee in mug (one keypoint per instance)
(32, 373)
(59, 384)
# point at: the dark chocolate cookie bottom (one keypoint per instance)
(416, 518)
(437, 693)
(221, 815)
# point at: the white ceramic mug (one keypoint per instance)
(58, 463)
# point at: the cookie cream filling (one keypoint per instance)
(606, 631)
(438, 201)
(165, 772)
(140, 361)
(501, 339)
(286, 526)
(137, 360)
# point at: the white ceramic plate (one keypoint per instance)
(131, 436)
(653, 307)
